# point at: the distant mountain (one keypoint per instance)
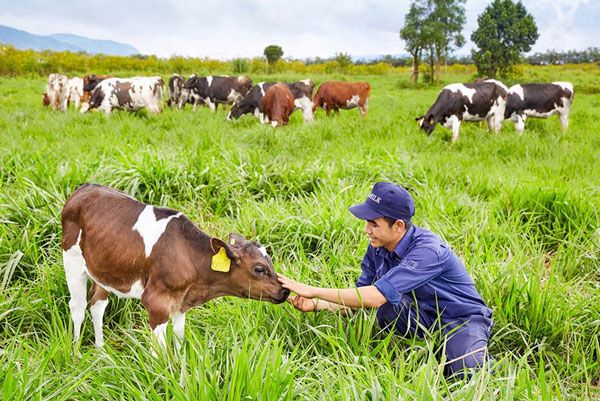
(63, 41)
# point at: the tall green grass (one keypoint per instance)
(522, 211)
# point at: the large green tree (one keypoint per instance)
(413, 34)
(273, 53)
(444, 26)
(433, 26)
(506, 30)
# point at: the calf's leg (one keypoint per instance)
(98, 303)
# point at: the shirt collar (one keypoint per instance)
(401, 247)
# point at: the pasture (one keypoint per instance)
(522, 211)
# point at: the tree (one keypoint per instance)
(273, 53)
(444, 26)
(434, 26)
(344, 60)
(505, 31)
(413, 34)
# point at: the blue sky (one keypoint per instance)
(242, 28)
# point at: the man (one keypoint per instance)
(412, 277)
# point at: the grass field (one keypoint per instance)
(522, 211)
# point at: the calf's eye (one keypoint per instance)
(259, 269)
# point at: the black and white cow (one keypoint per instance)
(477, 101)
(539, 100)
(126, 93)
(213, 90)
(175, 89)
(252, 103)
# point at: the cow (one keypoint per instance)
(335, 95)
(89, 84)
(155, 254)
(57, 91)
(45, 99)
(175, 89)
(75, 91)
(126, 93)
(477, 101)
(213, 90)
(252, 102)
(539, 100)
(278, 104)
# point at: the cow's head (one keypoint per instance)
(426, 123)
(251, 273)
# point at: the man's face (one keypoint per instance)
(382, 235)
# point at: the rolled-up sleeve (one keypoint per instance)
(414, 270)
(368, 270)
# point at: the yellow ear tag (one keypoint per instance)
(220, 261)
(232, 242)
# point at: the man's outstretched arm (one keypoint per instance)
(361, 297)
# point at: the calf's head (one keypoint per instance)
(426, 123)
(251, 274)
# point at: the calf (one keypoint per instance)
(158, 255)
(89, 84)
(539, 100)
(213, 90)
(57, 91)
(175, 89)
(278, 104)
(485, 100)
(75, 91)
(45, 99)
(130, 94)
(335, 95)
(253, 101)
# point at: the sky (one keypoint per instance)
(227, 29)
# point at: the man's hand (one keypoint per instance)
(304, 304)
(306, 291)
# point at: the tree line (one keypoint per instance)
(432, 30)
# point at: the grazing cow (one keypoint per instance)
(175, 89)
(485, 100)
(252, 102)
(57, 91)
(75, 89)
(539, 100)
(155, 254)
(278, 104)
(89, 84)
(213, 90)
(127, 93)
(335, 95)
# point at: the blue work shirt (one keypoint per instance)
(421, 264)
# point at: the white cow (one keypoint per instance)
(57, 91)
(128, 94)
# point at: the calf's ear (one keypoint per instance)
(236, 240)
(420, 120)
(216, 245)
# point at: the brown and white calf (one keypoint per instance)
(57, 91)
(155, 254)
(278, 104)
(335, 95)
(89, 84)
(539, 100)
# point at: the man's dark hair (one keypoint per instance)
(391, 221)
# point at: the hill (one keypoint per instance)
(63, 41)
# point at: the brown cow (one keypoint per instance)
(46, 100)
(158, 255)
(278, 104)
(335, 95)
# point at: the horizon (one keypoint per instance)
(361, 29)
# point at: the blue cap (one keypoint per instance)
(386, 200)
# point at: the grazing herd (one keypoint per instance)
(273, 102)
